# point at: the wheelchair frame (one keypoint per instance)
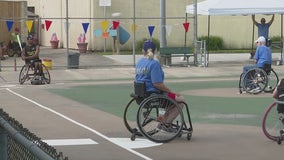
(273, 123)
(265, 79)
(148, 117)
(25, 74)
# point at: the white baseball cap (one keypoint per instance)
(260, 39)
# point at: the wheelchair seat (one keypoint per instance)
(267, 68)
(140, 92)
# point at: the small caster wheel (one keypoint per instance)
(133, 137)
(189, 136)
(180, 134)
(279, 140)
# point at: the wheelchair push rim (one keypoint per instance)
(254, 81)
(271, 123)
(150, 118)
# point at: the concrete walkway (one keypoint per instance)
(93, 66)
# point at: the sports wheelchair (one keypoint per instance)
(28, 73)
(256, 80)
(149, 109)
(273, 122)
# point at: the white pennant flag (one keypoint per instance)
(168, 29)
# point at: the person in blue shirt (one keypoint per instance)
(262, 55)
(149, 71)
(263, 28)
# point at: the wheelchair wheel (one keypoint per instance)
(272, 123)
(255, 81)
(241, 83)
(46, 75)
(150, 119)
(129, 118)
(272, 81)
(23, 76)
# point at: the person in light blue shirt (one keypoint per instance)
(149, 71)
(262, 55)
(263, 28)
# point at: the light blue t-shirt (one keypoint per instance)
(263, 30)
(150, 72)
(263, 56)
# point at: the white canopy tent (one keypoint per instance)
(237, 7)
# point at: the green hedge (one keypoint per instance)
(215, 42)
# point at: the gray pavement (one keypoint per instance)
(93, 66)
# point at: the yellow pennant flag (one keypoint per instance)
(134, 27)
(29, 24)
(104, 25)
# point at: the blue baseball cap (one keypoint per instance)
(149, 44)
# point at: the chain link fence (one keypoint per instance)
(17, 142)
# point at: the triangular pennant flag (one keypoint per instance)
(47, 24)
(85, 26)
(9, 24)
(151, 29)
(104, 25)
(29, 24)
(168, 29)
(134, 27)
(186, 26)
(115, 24)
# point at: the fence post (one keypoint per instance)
(3, 144)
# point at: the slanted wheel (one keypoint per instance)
(151, 115)
(23, 76)
(271, 123)
(46, 76)
(272, 81)
(255, 81)
(189, 136)
(129, 117)
(241, 83)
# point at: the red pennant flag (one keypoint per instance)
(186, 26)
(115, 24)
(47, 24)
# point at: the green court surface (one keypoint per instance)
(113, 98)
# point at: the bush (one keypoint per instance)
(215, 42)
(275, 39)
(140, 44)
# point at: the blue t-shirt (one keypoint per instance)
(150, 72)
(263, 30)
(263, 56)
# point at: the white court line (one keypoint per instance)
(68, 142)
(81, 125)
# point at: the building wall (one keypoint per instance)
(236, 31)
(89, 11)
(15, 11)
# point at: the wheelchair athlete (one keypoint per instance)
(262, 57)
(149, 71)
(30, 54)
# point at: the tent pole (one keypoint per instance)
(281, 62)
(252, 38)
(185, 31)
(208, 36)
